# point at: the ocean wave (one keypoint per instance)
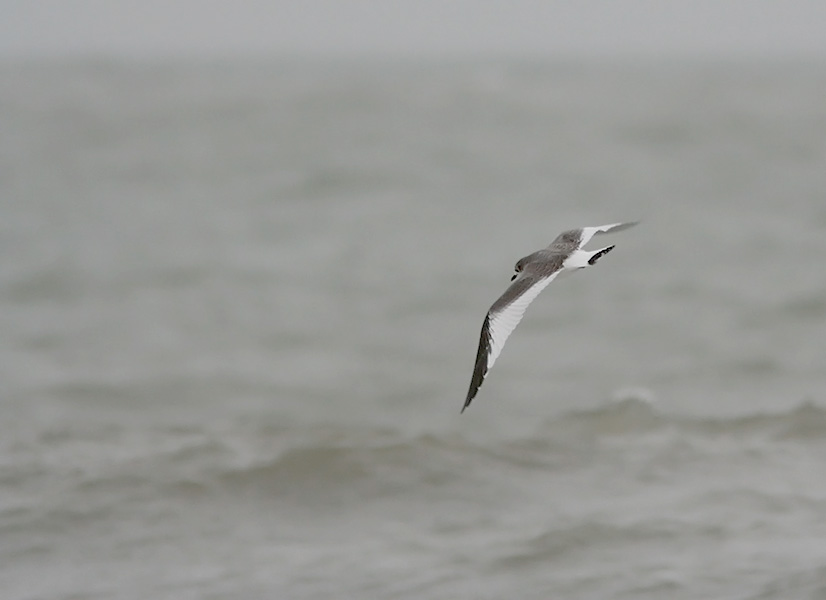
(566, 539)
(354, 465)
(335, 466)
(806, 421)
(370, 464)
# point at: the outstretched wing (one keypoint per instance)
(501, 320)
(589, 232)
(574, 239)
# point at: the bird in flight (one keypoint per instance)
(533, 273)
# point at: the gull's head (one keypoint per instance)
(518, 268)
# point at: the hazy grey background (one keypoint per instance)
(708, 28)
(240, 300)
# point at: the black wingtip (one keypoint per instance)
(480, 366)
(471, 394)
(599, 254)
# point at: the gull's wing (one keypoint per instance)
(589, 232)
(502, 319)
(574, 239)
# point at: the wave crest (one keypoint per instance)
(633, 415)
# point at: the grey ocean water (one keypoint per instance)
(240, 305)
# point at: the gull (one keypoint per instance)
(533, 274)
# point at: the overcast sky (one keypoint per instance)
(433, 28)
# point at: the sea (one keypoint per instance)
(240, 302)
